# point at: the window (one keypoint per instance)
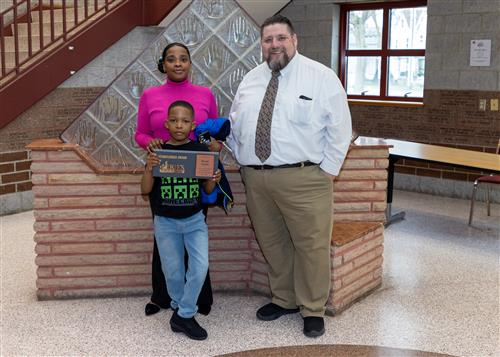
(382, 50)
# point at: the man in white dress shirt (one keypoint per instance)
(290, 191)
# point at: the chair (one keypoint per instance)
(487, 180)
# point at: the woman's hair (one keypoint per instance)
(181, 103)
(164, 53)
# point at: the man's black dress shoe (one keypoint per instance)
(272, 311)
(314, 326)
(188, 326)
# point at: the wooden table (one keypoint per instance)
(425, 152)
(465, 158)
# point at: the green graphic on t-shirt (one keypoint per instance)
(194, 191)
(166, 191)
(183, 188)
(180, 192)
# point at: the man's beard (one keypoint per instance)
(279, 64)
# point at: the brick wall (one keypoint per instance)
(46, 119)
(448, 117)
(15, 175)
(93, 231)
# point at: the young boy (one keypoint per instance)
(179, 223)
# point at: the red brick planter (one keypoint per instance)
(93, 229)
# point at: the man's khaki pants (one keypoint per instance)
(292, 213)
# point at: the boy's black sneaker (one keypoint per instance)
(188, 326)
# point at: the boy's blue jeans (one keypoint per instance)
(172, 235)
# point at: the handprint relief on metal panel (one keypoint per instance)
(151, 56)
(241, 34)
(131, 129)
(223, 101)
(235, 78)
(226, 156)
(111, 155)
(136, 84)
(188, 31)
(156, 51)
(198, 78)
(254, 57)
(86, 134)
(220, 103)
(214, 8)
(111, 111)
(216, 59)
(255, 60)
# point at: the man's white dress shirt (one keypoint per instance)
(311, 118)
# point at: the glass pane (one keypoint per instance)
(408, 28)
(363, 75)
(365, 29)
(406, 77)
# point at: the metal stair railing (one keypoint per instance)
(31, 29)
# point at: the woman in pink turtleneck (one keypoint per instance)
(151, 133)
(153, 105)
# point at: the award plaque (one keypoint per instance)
(180, 163)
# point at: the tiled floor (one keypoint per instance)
(440, 294)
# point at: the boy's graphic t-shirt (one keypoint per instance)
(177, 197)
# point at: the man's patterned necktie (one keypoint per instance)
(263, 131)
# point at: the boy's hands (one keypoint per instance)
(216, 177)
(209, 184)
(154, 144)
(152, 161)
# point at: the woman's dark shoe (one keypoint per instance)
(204, 309)
(151, 309)
(188, 326)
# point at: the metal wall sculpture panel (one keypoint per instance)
(224, 45)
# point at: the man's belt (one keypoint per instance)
(285, 166)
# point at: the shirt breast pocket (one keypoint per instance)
(303, 111)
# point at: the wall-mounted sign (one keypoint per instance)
(480, 52)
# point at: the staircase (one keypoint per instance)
(46, 27)
(41, 46)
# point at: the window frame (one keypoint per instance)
(384, 53)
